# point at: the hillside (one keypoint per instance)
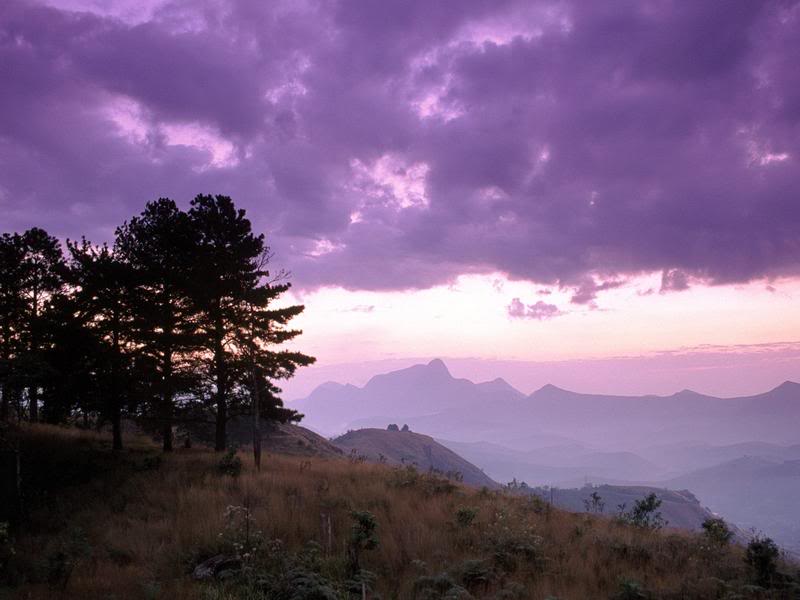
(139, 524)
(754, 492)
(679, 508)
(409, 448)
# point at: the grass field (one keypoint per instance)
(134, 525)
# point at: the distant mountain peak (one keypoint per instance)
(549, 387)
(788, 386)
(437, 364)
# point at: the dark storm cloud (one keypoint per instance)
(396, 145)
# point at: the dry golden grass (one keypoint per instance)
(148, 524)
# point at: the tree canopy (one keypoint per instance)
(174, 322)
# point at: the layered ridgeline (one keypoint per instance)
(737, 455)
(430, 399)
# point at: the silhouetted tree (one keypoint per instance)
(266, 328)
(226, 269)
(40, 281)
(159, 246)
(102, 285)
(12, 254)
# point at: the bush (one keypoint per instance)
(645, 513)
(630, 590)
(70, 550)
(762, 557)
(439, 587)
(230, 464)
(6, 547)
(363, 536)
(465, 515)
(717, 531)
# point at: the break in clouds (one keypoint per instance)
(390, 145)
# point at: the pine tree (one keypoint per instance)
(102, 292)
(40, 282)
(227, 255)
(12, 254)
(159, 246)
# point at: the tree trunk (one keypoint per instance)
(221, 437)
(256, 422)
(116, 404)
(166, 418)
(116, 427)
(220, 442)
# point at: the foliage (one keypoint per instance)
(465, 515)
(762, 557)
(645, 513)
(61, 562)
(172, 321)
(363, 537)
(717, 532)
(631, 590)
(594, 503)
(230, 463)
(6, 547)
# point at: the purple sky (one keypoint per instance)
(397, 145)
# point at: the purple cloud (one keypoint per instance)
(541, 311)
(587, 290)
(396, 145)
(674, 280)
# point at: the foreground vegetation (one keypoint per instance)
(137, 524)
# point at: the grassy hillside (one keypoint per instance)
(680, 509)
(409, 448)
(135, 525)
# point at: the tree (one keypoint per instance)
(102, 285)
(40, 281)
(227, 264)
(158, 245)
(266, 328)
(717, 531)
(762, 556)
(12, 253)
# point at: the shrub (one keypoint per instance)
(230, 463)
(6, 547)
(631, 590)
(717, 531)
(475, 573)
(762, 557)
(465, 515)
(645, 513)
(363, 536)
(594, 503)
(70, 550)
(241, 537)
(439, 587)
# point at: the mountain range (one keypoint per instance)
(739, 456)
(433, 401)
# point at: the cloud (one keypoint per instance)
(674, 280)
(541, 311)
(554, 141)
(587, 290)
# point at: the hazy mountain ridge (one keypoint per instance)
(554, 436)
(431, 400)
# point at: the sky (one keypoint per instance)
(540, 188)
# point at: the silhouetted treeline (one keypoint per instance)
(172, 322)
